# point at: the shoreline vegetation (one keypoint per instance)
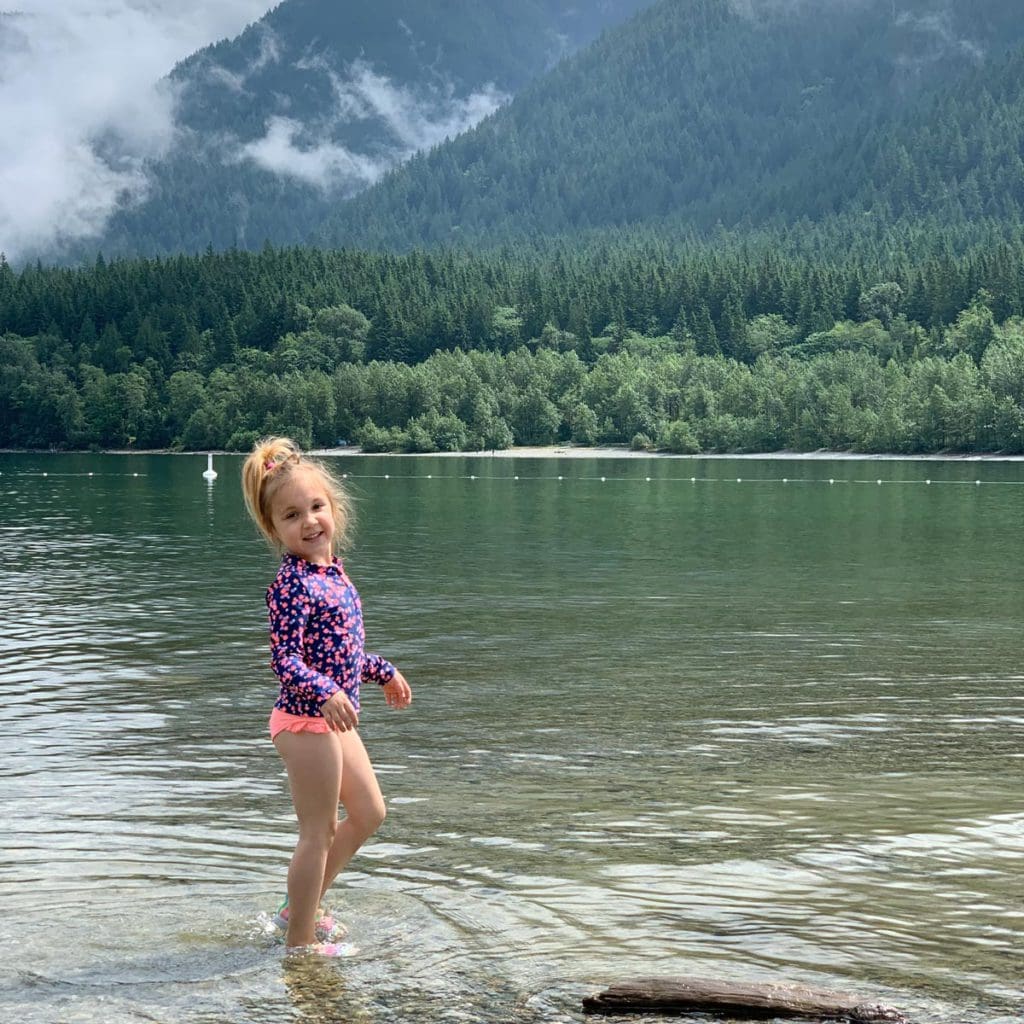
(654, 351)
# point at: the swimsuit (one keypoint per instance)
(316, 642)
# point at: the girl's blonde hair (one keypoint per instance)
(270, 464)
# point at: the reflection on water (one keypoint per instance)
(749, 730)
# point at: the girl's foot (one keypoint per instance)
(322, 949)
(325, 929)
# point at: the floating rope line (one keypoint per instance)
(562, 478)
(831, 481)
(36, 472)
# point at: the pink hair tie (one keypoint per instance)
(271, 464)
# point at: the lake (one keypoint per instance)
(750, 719)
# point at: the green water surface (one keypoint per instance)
(763, 724)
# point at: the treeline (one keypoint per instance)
(198, 312)
(880, 383)
(630, 341)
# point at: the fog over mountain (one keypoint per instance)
(252, 137)
(85, 101)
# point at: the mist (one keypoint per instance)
(414, 120)
(84, 102)
(86, 106)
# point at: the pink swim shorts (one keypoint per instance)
(282, 721)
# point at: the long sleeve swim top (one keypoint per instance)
(317, 637)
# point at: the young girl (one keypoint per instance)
(316, 643)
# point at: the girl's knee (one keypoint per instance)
(368, 819)
(321, 833)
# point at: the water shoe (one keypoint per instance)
(326, 928)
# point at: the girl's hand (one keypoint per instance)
(397, 692)
(339, 713)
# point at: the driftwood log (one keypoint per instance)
(736, 1001)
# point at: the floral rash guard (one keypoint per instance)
(317, 637)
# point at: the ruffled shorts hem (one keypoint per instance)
(283, 721)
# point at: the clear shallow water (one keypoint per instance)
(754, 730)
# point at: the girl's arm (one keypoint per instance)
(290, 607)
(377, 669)
(397, 692)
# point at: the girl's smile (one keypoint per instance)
(303, 518)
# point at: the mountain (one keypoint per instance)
(737, 113)
(319, 98)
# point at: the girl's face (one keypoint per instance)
(303, 518)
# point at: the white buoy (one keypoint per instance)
(209, 473)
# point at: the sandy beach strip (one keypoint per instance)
(624, 452)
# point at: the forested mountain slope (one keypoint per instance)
(705, 112)
(319, 98)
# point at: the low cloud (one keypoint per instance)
(84, 102)
(327, 166)
(937, 29)
(217, 74)
(414, 120)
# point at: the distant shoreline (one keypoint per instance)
(573, 452)
(623, 452)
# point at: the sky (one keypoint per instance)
(75, 76)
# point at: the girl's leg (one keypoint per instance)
(364, 806)
(314, 763)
